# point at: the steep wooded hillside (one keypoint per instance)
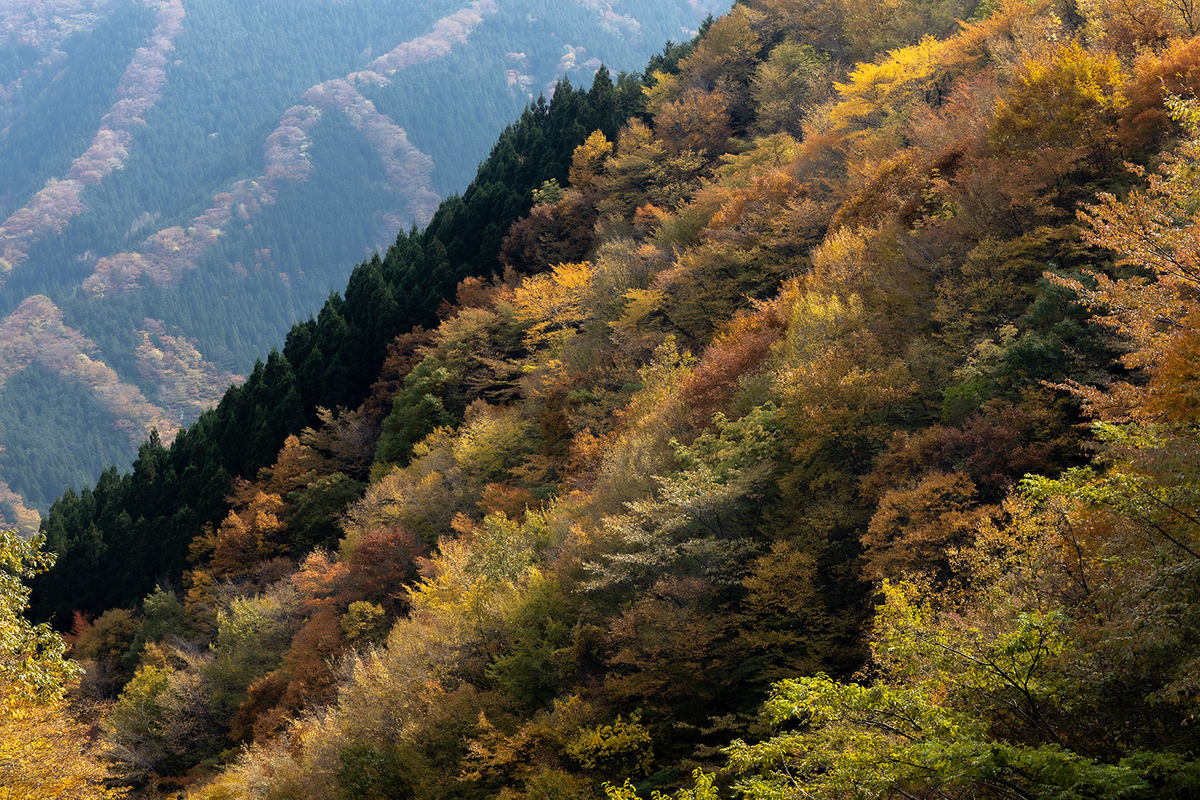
(825, 426)
(182, 180)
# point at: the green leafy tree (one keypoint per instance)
(31, 656)
(416, 411)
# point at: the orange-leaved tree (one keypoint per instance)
(1156, 309)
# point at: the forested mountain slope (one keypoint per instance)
(182, 180)
(813, 418)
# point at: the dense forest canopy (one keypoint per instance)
(183, 180)
(810, 415)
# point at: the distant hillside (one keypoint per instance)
(182, 181)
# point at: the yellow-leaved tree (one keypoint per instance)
(44, 751)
